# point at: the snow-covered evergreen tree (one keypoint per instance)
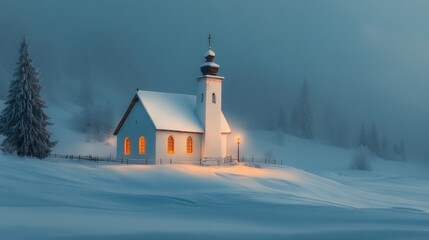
(302, 117)
(23, 120)
(3, 88)
(361, 159)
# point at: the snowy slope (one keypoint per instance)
(84, 200)
(318, 157)
(315, 196)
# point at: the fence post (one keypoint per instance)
(265, 160)
(171, 161)
(252, 158)
(161, 161)
(201, 161)
(281, 162)
(146, 161)
(122, 160)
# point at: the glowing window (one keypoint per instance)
(170, 146)
(189, 147)
(142, 145)
(127, 146)
(213, 98)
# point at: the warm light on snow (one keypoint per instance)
(212, 171)
(111, 141)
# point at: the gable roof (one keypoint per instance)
(170, 112)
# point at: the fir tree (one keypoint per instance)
(396, 150)
(342, 134)
(374, 142)
(329, 125)
(302, 117)
(402, 151)
(23, 120)
(3, 91)
(385, 148)
(363, 138)
(282, 120)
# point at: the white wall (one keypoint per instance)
(137, 124)
(209, 114)
(180, 154)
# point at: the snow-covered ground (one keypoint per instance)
(314, 196)
(82, 200)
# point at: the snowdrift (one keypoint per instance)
(80, 199)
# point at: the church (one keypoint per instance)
(168, 127)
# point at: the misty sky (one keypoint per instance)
(369, 59)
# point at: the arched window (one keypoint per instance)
(213, 98)
(202, 97)
(142, 145)
(170, 145)
(189, 147)
(127, 146)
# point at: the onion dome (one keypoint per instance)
(209, 67)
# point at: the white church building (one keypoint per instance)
(169, 127)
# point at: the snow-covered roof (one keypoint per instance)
(174, 112)
(210, 64)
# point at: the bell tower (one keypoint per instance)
(209, 105)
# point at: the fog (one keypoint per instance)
(368, 59)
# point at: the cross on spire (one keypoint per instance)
(210, 41)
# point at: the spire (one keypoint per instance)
(209, 67)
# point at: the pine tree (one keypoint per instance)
(282, 120)
(374, 142)
(3, 88)
(396, 150)
(363, 138)
(342, 134)
(402, 151)
(23, 120)
(329, 125)
(302, 117)
(385, 148)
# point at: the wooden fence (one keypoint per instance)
(161, 161)
(146, 161)
(261, 160)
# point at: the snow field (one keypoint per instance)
(314, 196)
